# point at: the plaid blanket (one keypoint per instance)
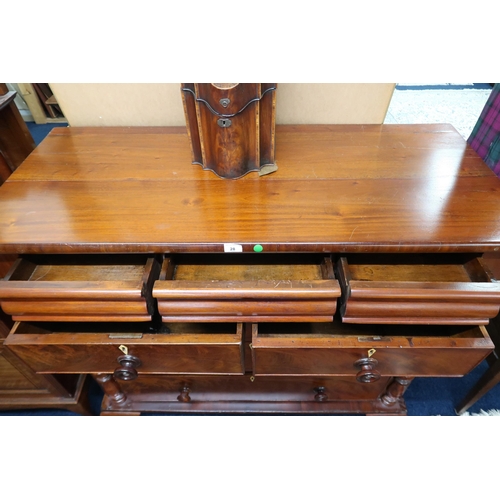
(485, 137)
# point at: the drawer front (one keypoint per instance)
(253, 389)
(370, 356)
(183, 351)
(443, 290)
(241, 288)
(80, 288)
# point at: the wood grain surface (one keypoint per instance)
(340, 188)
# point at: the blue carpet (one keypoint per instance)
(424, 397)
(39, 132)
(439, 396)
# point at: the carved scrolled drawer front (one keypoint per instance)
(271, 288)
(80, 288)
(367, 352)
(123, 350)
(417, 289)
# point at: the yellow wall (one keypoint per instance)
(158, 104)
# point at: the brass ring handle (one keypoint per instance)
(127, 370)
(367, 372)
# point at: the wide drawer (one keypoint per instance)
(124, 350)
(80, 288)
(252, 389)
(367, 351)
(417, 289)
(246, 287)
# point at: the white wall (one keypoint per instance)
(124, 104)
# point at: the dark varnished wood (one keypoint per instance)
(231, 287)
(491, 377)
(338, 188)
(334, 349)
(244, 146)
(330, 151)
(73, 348)
(246, 395)
(50, 288)
(417, 290)
(395, 390)
(22, 388)
(16, 142)
(112, 391)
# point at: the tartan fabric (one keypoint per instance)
(485, 137)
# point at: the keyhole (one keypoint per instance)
(224, 122)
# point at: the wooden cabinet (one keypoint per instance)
(22, 388)
(320, 289)
(16, 142)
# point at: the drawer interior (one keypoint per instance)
(365, 333)
(440, 289)
(102, 347)
(243, 287)
(338, 349)
(79, 268)
(80, 288)
(248, 267)
(117, 330)
(448, 268)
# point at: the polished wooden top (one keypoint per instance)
(339, 188)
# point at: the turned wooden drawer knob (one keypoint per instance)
(184, 396)
(367, 372)
(127, 370)
(320, 394)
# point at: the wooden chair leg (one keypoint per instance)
(489, 379)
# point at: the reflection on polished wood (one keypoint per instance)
(339, 188)
(386, 222)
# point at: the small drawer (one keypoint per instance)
(244, 287)
(367, 351)
(80, 288)
(124, 350)
(417, 289)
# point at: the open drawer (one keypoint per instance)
(417, 289)
(367, 351)
(124, 350)
(243, 287)
(80, 288)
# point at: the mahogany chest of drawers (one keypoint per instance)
(325, 287)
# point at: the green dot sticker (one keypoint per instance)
(258, 248)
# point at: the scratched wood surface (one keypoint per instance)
(340, 188)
